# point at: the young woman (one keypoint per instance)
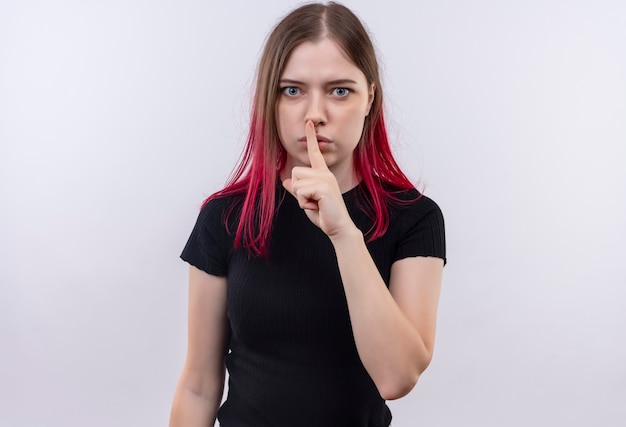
(315, 273)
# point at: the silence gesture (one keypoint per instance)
(317, 191)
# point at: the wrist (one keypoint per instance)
(349, 235)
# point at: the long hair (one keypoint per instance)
(255, 177)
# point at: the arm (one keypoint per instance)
(201, 384)
(394, 329)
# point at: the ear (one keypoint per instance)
(370, 99)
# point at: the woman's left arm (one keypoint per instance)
(394, 329)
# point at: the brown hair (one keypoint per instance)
(312, 22)
(256, 174)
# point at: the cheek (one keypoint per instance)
(356, 127)
(282, 120)
(284, 116)
(353, 120)
(355, 112)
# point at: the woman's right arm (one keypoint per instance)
(201, 384)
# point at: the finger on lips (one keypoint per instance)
(300, 176)
(315, 155)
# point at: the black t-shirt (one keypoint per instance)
(293, 360)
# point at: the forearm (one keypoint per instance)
(390, 347)
(195, 407)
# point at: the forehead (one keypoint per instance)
(322, 59)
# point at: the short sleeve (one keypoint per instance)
(208, 246)
(422, 231)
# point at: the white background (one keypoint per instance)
(118, 117)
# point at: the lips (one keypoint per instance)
(320, 138)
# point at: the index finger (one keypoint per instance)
(315, 155)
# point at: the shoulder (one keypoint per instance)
(414, 225)
(210, 244)
(418, 222)
(404, 206)
(220, 210)
(412, 204)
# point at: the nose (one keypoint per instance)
(316, 111)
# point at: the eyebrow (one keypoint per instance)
(332, 82)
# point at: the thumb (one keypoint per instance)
(287, 185)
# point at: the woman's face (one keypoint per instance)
(320, 84)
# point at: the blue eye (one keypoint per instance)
(341, 92)
(291, 91)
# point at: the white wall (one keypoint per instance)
(118, 117)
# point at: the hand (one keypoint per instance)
(317, 191)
